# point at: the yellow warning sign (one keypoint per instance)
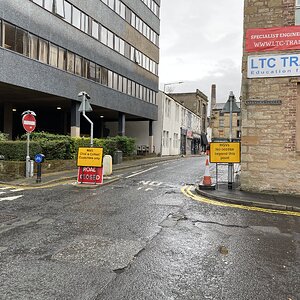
(89, 157)
(227, 152)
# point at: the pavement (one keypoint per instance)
(221, 193)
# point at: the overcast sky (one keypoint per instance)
(201, 44)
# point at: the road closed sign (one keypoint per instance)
(225, 152)
(89, 157)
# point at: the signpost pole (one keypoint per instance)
(230, 165)
(85, 106)
(28, 166)
(29, 124)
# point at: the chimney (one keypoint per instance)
(213, 99)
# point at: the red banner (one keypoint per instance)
(90, 175)
(273, 39)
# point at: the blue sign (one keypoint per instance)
(278, 65)
(39, 158)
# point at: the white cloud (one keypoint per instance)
(201, 44)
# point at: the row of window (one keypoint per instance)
(167, 141)
(152, 6)
(124, 12)
(34, 47)
(85, 23)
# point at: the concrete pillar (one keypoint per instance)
(121, 124)
(75, 119)
(151, 137)
(102, 125)
(8, 120)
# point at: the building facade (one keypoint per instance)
(196, 102)
(50, 50)
(220, 122)
(174, 133)
(271, 97)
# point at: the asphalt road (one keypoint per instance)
(141, 238)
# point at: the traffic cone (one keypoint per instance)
(206, 183)
(207, 179)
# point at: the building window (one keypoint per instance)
(9, 36)
(39, 2)
(68, 12)
(103, 35)
(76, 17)
(109, 79)
(43, 51)
(33, 46)
(105, 76)
(78, 65)
(70, 62)
(48, 5)
(297, 13)
(62, 58)
(95, 29)
(53, 59)
(221, 122)
(59, 8)
(238, 123)
(22, 42)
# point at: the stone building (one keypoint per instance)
(271, 97)
(196, 102)
(50, 50)
(220, 122)
(220, 118)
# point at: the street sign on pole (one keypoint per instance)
(85, 106)
(29, 122)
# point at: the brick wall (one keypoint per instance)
(270, 160)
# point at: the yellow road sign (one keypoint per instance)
(225, 152)
(89, 157)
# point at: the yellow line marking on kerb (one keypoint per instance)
(186, 190)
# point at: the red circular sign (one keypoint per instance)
(29, 122)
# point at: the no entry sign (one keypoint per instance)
(29, 122)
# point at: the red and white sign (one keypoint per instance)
(273, 39)
(29, 122)
(90, 175)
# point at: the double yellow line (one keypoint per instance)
(186, 190)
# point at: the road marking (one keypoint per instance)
(10, 198)
(148, 189)
(16, 190)
(135, 174)
(186, 190)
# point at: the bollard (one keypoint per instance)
(39, 158)
(107, 165)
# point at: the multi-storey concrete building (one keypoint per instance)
(271, 97)
(50, 50)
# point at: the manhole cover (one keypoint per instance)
(6, 218)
